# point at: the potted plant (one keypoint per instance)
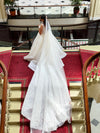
(76, 3)
(11, 5)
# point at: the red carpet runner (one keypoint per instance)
(73, 67)
(85, 54)
(18, 70)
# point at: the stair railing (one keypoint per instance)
(90, 72)
(4, 97)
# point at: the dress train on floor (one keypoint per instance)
(47, 103)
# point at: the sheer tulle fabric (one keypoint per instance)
(47, 103)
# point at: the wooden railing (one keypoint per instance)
(4, 96)
(85, 72)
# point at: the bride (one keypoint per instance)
(47, 102)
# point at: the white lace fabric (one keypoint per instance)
(47, 103)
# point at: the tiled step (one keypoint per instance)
(76, 93)
(14, 117)
(15, 86)
(77, 103)
(79, 128)
(12, 128)
(14, 106)
(78, 115)
(15, 94)
(75, 85)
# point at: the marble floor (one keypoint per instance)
(95, 117)
(46, 2)
(45, 9)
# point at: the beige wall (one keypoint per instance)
(3, 15)
(94, 10)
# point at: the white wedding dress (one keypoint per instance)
(47, 103)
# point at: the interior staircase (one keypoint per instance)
(12, 124)
(78, 110)
(14, 102)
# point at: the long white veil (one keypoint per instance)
(47, 102)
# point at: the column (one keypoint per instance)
(3, 15)
(94, 10)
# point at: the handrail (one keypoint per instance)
(96, 22)
(74, 44)
(4, 96)
(85, 89)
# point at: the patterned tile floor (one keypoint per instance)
(95, 117)
(46, 2)
(48, 10)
